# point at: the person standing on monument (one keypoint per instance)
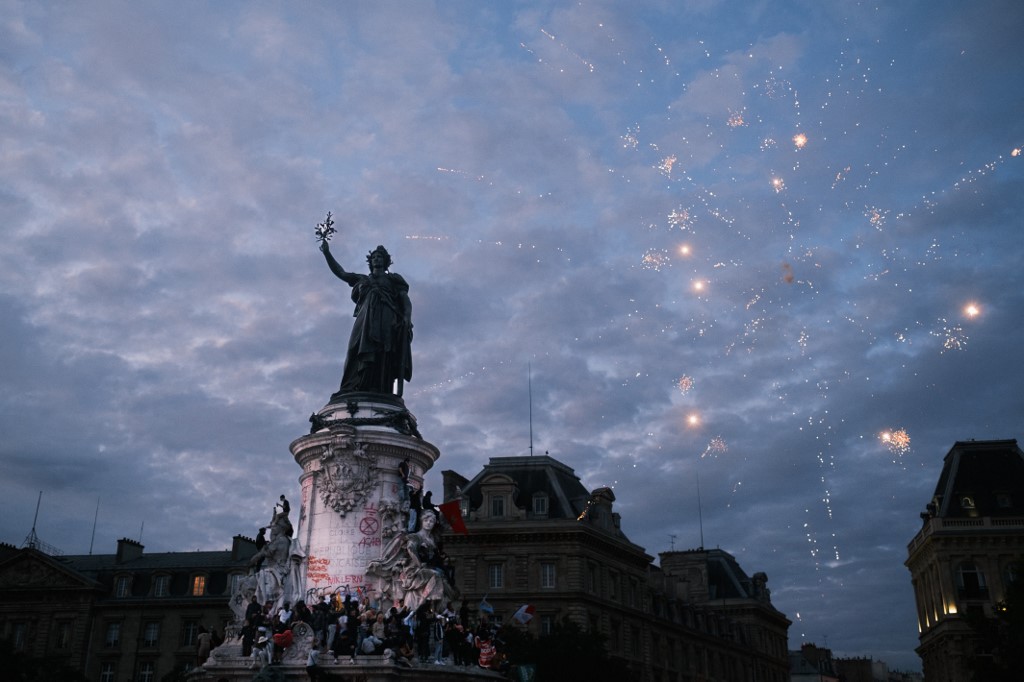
(379, 349)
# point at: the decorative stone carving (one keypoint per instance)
(348, 475)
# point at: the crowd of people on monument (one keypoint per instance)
(347, 625)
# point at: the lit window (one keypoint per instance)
(540, 504)
(495, 576)
(122, 585)
(161, 587)
(547, 575)
(107, 672)
(497, 506)
(198, 585)
(151, 634)
(113, 637)
(147, 671)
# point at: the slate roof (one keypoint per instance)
(988, 472)
(567, 496)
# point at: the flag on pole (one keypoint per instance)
(453, 514)
(524, 615)
(485, 607)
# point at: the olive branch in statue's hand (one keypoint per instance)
(325, 230)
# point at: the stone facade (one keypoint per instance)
(123, 616)
(537, 536)
(969, 549)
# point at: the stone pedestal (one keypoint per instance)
(353, 497)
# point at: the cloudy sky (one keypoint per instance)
(733, 242)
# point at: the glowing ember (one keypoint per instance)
(778, 184)
(684, 250)
(654, 259)
(897, 441)
(799, 140)
(693, 419)
(716, 447)
(685, 384)
(972, 310)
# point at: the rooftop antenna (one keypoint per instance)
(141, 526)
(672, 541)
(33, 540)
(94, 519)
(529, 384)
(700, 514)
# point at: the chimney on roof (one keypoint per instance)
(128, 550)
(242, 548)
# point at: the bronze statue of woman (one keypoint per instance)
(379, 349)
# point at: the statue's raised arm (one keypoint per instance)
(379, 350)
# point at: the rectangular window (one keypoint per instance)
(547, 575)
(547, 624)
(497, 506)
(592, 585)
(147, 671)
(633, 593)
(495, 576)
(19, 633)
(189, 632)
(62, 635)
(107, 672)
(122, 586)
(540, 505)
(236, 579)
(613, 589)
(151, 634)
(161, 587)
(198, 585)
(113, 637)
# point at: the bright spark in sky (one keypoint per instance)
(897, 440)
(972, 310)
(685, 384)
(799, 140)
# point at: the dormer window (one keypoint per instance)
(540, 504)
(497, 506)
(967, 502)
(122, 586)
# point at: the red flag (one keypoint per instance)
(453, 514)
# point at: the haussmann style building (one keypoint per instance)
(536, 536)
(969, 549)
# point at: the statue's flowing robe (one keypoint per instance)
(379, 349)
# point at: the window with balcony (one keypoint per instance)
(970, 581)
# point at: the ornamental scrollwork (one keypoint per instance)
(349, 475)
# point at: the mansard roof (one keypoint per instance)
(980, 478)
(567, 497)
